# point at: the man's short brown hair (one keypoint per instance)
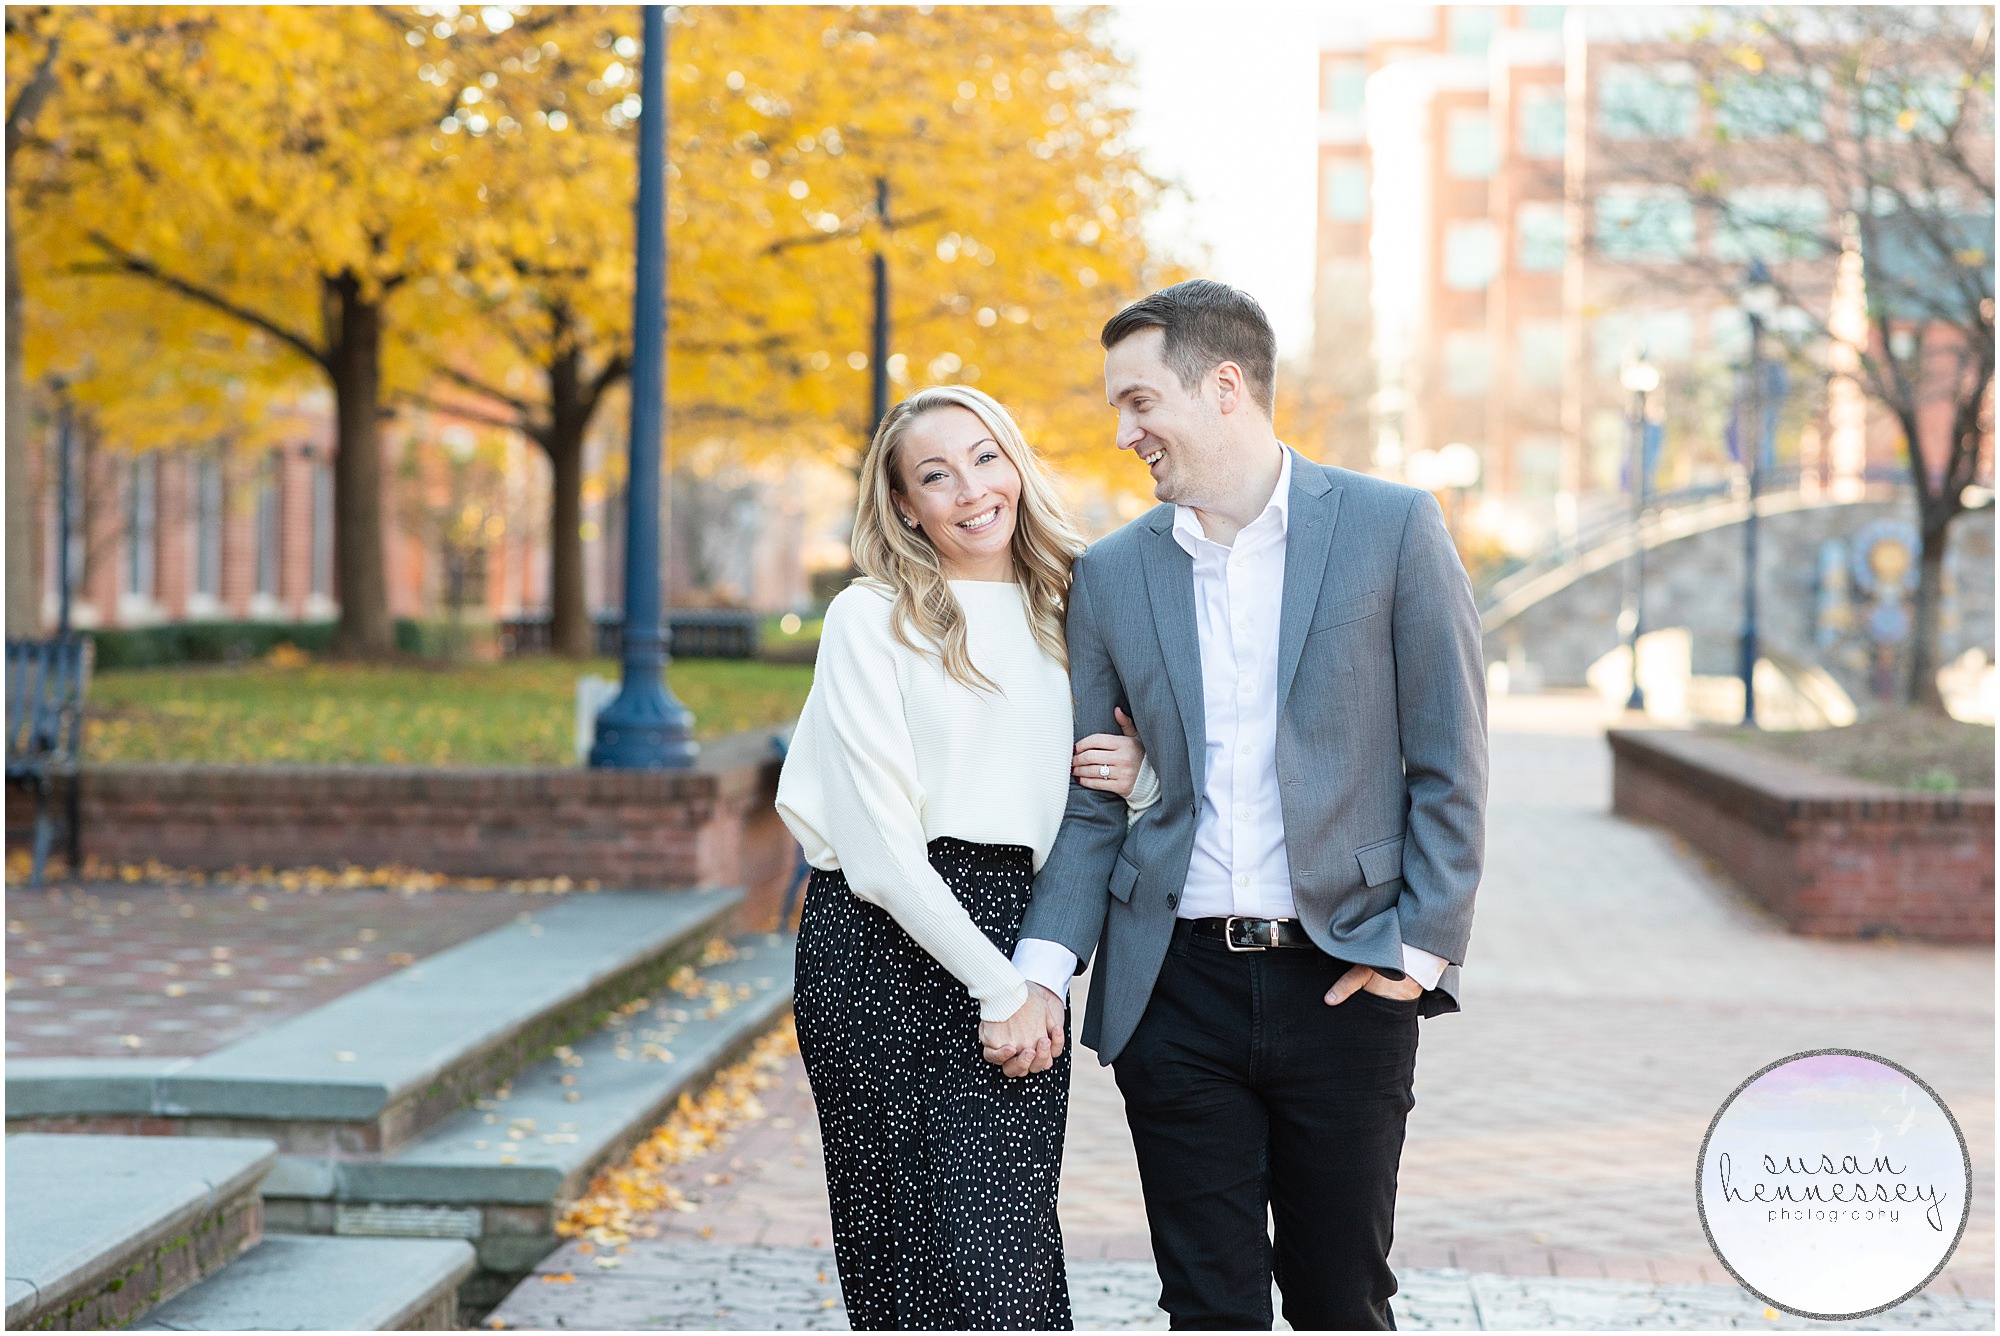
(1207, 323)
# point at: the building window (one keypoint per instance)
(1647, 102)
(142, 511)
(1539, 348)
(1541, 122)
(1645, 223)
(1346, 192)
(1540, 240)
(1469, 153)
(1767, 107)
(1471, 254)
(1468, 364)
(1665, 335)
(1470, 28)
(270, 518)
(1900, 109)
(1345, 90)
(1538, 466)
(205, 528)
(322, 530)
(1543, 18)
(1771, 223)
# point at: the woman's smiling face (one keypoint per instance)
(959, 486)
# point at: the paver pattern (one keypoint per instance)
(104, 970)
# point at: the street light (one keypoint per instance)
(1641, 378)
(645, 728)
(1758, 297)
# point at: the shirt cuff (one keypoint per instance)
(1047, 963)
(1418, 963)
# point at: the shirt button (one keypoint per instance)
(1243, 880)
(1242, 814)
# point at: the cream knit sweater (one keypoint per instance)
(891, 753)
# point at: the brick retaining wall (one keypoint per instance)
(712, 825)
(1830, 856)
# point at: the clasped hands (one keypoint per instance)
(1028, 1041)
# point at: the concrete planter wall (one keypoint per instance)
(1830, 856)
(712, 825)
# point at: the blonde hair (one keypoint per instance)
(902, 559)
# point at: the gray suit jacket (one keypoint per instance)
(1381, 742)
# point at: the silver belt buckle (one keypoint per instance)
(1229, 935)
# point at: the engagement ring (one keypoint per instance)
(1104, 772)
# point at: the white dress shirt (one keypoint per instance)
(1238, 865)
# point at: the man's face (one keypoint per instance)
(1175, 435)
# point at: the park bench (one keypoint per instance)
(45, 685)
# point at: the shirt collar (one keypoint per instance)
(1187, 525)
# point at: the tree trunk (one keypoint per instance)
(569, 416)
(569, 614)
(24, 601)
(354, 342)
(1935, 537)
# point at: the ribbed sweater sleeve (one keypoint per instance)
(873, 800)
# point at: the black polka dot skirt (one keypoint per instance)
(941, 1170)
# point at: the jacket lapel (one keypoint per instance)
(1315, 508)
(1170, 589)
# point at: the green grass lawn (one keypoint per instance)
(517, 712)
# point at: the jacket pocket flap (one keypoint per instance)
(1123, 877)
(1381, 861)
(1345, 611)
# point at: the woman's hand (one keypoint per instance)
(1023, 1042)
(1102, 761)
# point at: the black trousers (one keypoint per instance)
(1247, 1094)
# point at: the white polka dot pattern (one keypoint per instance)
(941, 1170)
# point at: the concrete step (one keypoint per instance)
(499, 1174)
(100, 1229)
(295, 1282)
(372, 1070)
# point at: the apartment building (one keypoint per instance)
(1485, 232)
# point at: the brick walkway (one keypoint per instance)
(108, 969)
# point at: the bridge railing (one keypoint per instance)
(1614, 525)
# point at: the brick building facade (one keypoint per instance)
(221, 534)
(1481, 232)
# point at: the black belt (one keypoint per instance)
(1251, 934)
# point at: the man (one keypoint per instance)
(1298, 648)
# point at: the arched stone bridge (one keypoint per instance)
(1835, 582)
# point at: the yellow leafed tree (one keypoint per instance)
(277, 170)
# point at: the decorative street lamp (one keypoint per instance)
(1641, 378)
(1758, 297)
(644, 727)
(65, 501)
(878, 365)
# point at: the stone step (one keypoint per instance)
(100, 1229)
(297, 1282)
(468, 1178)
(371, 1070)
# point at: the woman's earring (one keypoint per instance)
(909, 523)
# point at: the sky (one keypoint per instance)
(1225, 106)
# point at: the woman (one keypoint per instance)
(925, 783)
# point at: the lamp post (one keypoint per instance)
(1758, 297)
(1641, 378)
(644, 727)
(878, 365)
(65, 501)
